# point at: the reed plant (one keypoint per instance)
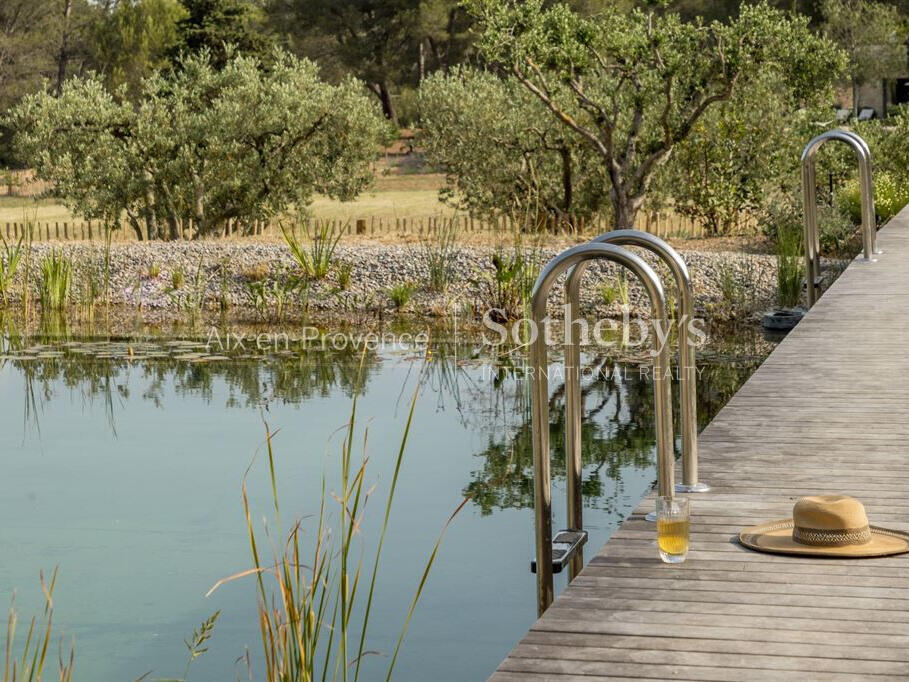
(27, 276)
(10, 258)
(56, 281)
(29, 664)
(789, 268)
(344, 275)
(315, 598)
(616, 291)
(92, 286)
(509, 289)
(315, 253)
(194, 297)
(440, 255)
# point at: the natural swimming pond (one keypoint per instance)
(123, 461)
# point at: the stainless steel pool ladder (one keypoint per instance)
(809, 202)
(687, 361)
(572, 540)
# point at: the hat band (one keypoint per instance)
(818, 537)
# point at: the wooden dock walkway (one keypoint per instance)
(827, 412)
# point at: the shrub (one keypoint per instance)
(890, 196)
(838, 236)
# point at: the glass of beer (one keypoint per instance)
(673, 524)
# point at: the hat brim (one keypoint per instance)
(776, 537)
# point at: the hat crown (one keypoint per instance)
(829, 512)
(836, 520)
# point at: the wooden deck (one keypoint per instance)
(827, 412)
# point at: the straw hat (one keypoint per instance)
(826, 525)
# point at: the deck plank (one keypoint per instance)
(828, 411)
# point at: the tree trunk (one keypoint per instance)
(567, 180)
(151, 217)
(855, 102)
(63, 55)
(388, 105)
(174, 223)
(625, 210)
(421, 62)
(137, 227)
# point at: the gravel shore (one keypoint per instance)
(727, 285)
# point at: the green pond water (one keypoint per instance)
(123, 460)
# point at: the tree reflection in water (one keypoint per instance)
(490, 396)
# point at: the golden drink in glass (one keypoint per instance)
(673, 529)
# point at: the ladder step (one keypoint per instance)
(565, 545)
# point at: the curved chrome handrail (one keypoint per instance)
(867, 187)
(687, 380)
(540, 394)
(809, 203)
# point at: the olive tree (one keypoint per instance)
(633, 85)
(503, 152)
(740, 156)
(203, 144)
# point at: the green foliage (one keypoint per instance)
(10, 258)
(242, 143)
(218, 27)
(29, 663)
(344, 273)
(192, 299)
(135, 40)
(508, 290)
(739, 157)
(503, 152)
(316, 258)
(154, 270)
(632, 85)
(177, 278)
(440, 254)
(310, 588)
(380, 43)
(401, 293)
(196, 644)
(891, 194)
(871, 33)
(736, 278)
(273, 296)
(56, 281)
(789, 270)
(615, 291)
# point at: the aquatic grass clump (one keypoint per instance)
(440, 255)
(56, 281)
(9, 264)
(789, 268)
(316, 257)
(307, 595)
(29, 664)
(508, 290)
(400, 294)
